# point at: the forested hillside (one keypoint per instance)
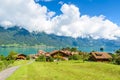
(21, 36)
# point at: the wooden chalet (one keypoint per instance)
(60, 54)
(21, 57)
(100, 56)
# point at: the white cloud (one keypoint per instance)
(43, 0)
(6, 24)
(61, 2)
(70, 23)
(35, 17)
(26, 13)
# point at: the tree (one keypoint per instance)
(101, 49)
(2, 57)
(8, 62)
(67, 48)
(118, 60)
(49, 59)
(75, 57)
(73, 49)
(41, 58)
(28, 58)
(85, 56)
(117, 57)
(12, 55)
(117, 52)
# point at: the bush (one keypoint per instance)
(117, 61)
(49, 59)
(2, 57)
(8, 62)
(5, 64)
(28, 58)
(41, 58)
(75, 57)
(1, 65)
(12, 55)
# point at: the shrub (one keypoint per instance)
(28, 58)
(49, 59)
(118, 60)
(12, 55)
(118, 51)
(1, 65)
(8, 62)
(75, 57)
(2, 57)
(41, 58)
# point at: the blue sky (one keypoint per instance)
(108, 8)
(74, 18)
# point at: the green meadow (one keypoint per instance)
(66, 70)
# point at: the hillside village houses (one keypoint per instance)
(65, 54)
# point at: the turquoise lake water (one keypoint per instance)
(27, 51)
(31, 50)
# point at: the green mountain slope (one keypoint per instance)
(17, 35)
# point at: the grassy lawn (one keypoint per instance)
(67, 70)
(21, 62)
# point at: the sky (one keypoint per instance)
(75, 18)
(108, 8)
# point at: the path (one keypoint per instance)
(7, 72)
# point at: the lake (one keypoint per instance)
(34, 50)
(27, 51)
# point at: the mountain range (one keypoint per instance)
(21, 36)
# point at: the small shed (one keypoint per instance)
(100, 56)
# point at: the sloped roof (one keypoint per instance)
(22, 55)
(61, 51)
(41, 52)
(47, 54)
(101, 55)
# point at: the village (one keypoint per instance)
(67, 54)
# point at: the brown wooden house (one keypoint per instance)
(100, 56)
(60, 54)
(21, 57)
